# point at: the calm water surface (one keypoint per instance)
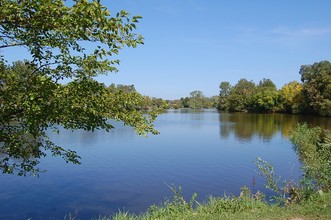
(206, 152)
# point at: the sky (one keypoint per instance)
(196, 44)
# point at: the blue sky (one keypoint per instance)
(196, 44)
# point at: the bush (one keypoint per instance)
(313, 146)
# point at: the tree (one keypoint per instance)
(265, 97)
(214, 101)
(175, 104)
(124, 88)
(225, 89)
(197, 100)
(267, 83)
(291, 97)
(240, 96)
(185, 102)
(316, 80)
(65, 42)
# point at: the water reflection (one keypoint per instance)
(195, 117)
(246, 126)
(84, 138)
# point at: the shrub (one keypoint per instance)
(313, 146)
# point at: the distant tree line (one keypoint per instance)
(146, 103)
(311, 96)
(196, 100)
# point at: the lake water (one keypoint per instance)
(206, 152)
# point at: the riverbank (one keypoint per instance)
(247, 207)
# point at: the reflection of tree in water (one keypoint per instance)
(289, 122)
(245, 126)
(195, 116)
(225, 125)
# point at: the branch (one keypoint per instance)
(12, 45)
(44, 65)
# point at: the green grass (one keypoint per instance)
(246, 206)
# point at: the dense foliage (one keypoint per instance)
(291, 98)
(312, 96)
(313, 146)
(316, 80)
(68, 45)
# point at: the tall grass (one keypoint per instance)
(179, 208)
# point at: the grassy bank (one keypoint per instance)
(246, 207)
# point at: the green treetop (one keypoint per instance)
(316, 80)
(74, 43)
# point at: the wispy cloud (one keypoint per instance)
(298, 36)
(301, 32)
(281, 35)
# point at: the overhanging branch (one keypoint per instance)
(12, 45)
